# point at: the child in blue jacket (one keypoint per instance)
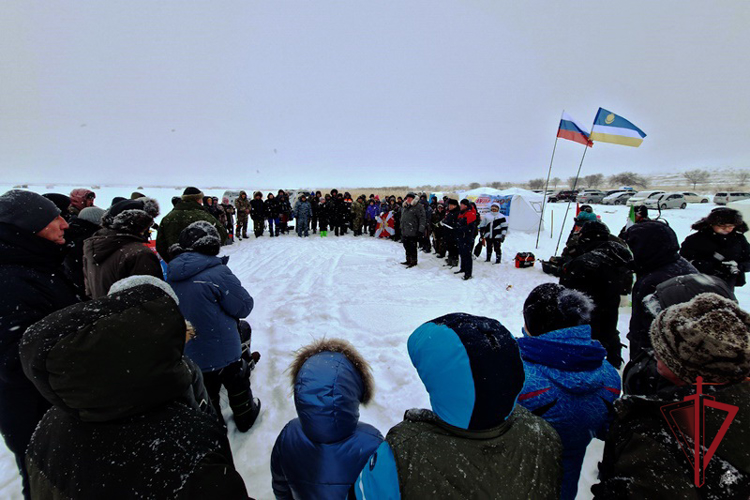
(213, 300)
(320, 454)
(568, 381)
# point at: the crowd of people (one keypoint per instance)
(111, 364)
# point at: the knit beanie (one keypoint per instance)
(131, 216)
(201, 237)
(92, 215)
(551, 307)
(192, 194)
(60, 200)
(26, 210)
(707, 337)
(585, 217)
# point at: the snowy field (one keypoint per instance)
(355, 288)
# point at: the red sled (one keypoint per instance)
(525, 259)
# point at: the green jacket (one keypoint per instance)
(520, 459)
(183, 214)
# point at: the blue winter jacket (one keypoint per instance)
(212, 299)
(302, 210)
(372, 211)
(571, 386)
(320, 454)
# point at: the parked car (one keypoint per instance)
(643, 196)
(724, 197)
(691, 197)
(590, 196)
(613, 191)
(666, 200)
(233, 195)
(563, 196)
(618, 198)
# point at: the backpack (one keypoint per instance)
(525, 259)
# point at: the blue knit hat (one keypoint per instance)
(471, 367)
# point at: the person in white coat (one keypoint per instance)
(493, 228)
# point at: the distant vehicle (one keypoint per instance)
(691, 197)
(590, 196)
(642, 196)
(563, 196)
(613, 191)
(618, 198)
(666, 200)
(724, 197)
(232, 195)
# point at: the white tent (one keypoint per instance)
(522, 207)
(743, 207)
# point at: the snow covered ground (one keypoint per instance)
(355, 288)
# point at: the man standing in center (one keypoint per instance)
(413, 223)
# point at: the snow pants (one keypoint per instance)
(235, 377)
(496, 245)
(258, 226)
(464, 251)
(410, 246)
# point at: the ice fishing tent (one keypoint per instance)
(522, 207)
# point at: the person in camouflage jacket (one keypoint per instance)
(243, 210)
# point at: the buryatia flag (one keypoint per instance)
(609, 127)
(572, 130)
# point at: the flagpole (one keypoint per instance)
(546, 185)
(575, 183)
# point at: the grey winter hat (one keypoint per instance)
(131, 216)
(29, 211)
(551, 307)
(92, 215)
(707, 337)
(201, 237)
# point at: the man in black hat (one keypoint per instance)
(185, 212)
(32, 239)
(413, 224)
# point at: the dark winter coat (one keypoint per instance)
(571, 386)
(229, 210)
(213, 300)
(465, 226)
(413, 219)
(215, 210)
(643, 459)
(655, 260)
(34, 285)
(320, 454)
(271, 208)
(706, 250)
(450, 228)
(121, 426)
(110, 256)
(243, 206)
(257, 210)
(302, 212)
(183, 214)
(520, 459)
(284, 207)
(75, 235)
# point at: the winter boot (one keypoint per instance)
(246, 419)
(457, 272)
(466, 277)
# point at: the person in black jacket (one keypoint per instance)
(315, 205)
(324, 212)
(125, 422)
(34, 284)
(257, 213)
(655, 260)
(88, 222)
(450, 233)
(720, 248)
(599, 272)
(271, 209)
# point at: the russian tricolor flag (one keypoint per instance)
(572, 130)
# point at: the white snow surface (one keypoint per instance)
(355, 288)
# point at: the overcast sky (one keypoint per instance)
(368, 93)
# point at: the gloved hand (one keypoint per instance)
(731, 266)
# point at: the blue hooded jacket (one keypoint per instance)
(320, 454)
(571, 386)
(212, 299)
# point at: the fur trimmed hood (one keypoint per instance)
(131, 216)
(330, 380)
(344, 347)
